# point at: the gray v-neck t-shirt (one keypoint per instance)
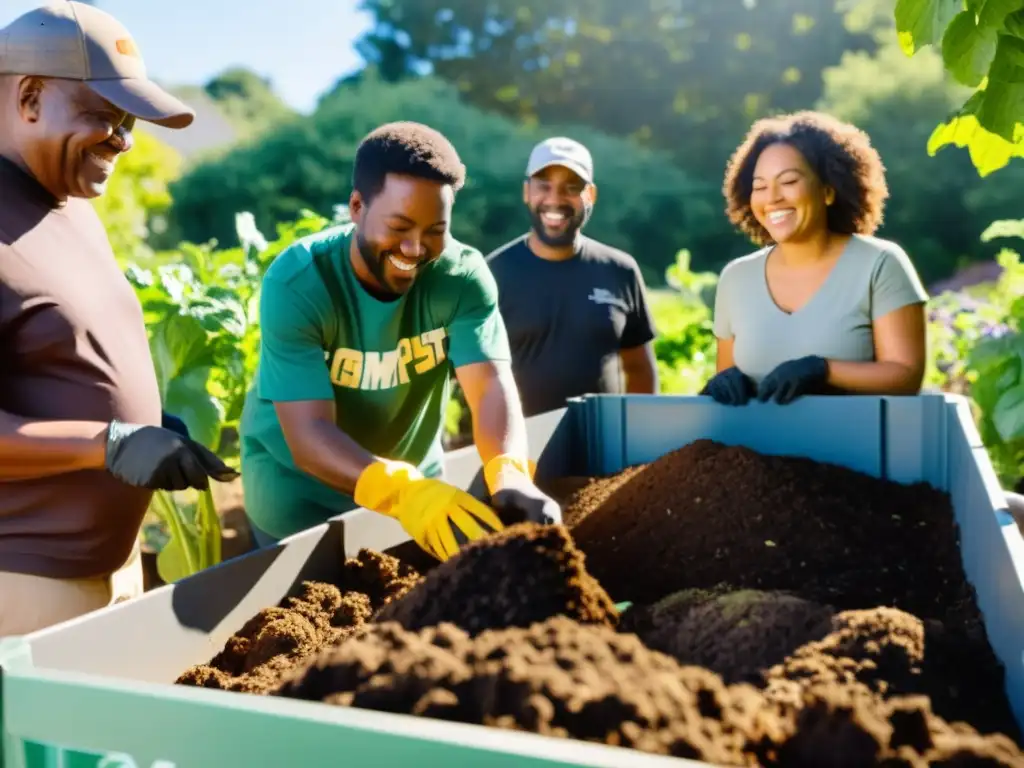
(871, 278)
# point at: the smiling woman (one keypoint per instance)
(824, 307)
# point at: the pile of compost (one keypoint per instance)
(785, 612)
(275, 639)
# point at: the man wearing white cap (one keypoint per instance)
(575, 309)
(83, 439)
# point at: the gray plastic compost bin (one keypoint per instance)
(97, 691)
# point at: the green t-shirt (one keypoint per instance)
(872, 278)
(386, 365)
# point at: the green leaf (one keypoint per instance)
(1003, 228)
(171, 561)
(1008, 414)
(988, 151)
(188, 398)
(968, 49)
(221, 312)
(993, 13)
(178, 343)
(208, 530)
(179, 556)
(1014, 24)
(990, 354)
(923, 22)
(1002, 105)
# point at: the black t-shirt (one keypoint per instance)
(568, 320)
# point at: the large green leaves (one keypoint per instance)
(982, 43)
(197, 319)
(923, 22)
(1008, 414)
(997, 362)
(195, 536)
(196, 302)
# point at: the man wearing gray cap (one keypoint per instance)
(575, 309)
(83, 440)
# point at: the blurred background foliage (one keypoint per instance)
(661, 90)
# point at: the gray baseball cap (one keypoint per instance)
(68, 40)
(563, 151)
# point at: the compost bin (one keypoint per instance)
(96, 691)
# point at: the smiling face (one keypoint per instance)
(559, 202)
(68, 136)
(404, 229)
(787, 197)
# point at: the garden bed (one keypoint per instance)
(784, 612)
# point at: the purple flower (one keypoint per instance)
(996, 331)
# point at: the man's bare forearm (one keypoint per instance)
(320, 448)
(334, 458)
(641, 370)
(31, 449)
(498, 423)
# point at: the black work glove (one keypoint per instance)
(173, 423)
(520, 500)
(730, 387)
(159, 459)
(793, 378)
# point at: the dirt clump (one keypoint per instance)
(847, 727)
(276, 638)
(525, 574)
(738, 634)
(566, 679)
(881, 649)
(558, 678)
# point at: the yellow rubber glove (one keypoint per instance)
(431, 511)
(500, 467)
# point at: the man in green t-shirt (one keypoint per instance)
(361, 326)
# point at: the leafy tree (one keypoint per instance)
(687, 76)
(247, 100)
(982, 46)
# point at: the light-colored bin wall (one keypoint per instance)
(907, 439)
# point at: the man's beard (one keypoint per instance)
(375, 262)
(576, 222)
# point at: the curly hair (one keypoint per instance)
(407, 148)
(839, 153)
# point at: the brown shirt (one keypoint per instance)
(72, 346)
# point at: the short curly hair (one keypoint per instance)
(839, 153)
(407, 148)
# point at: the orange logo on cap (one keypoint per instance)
(127, 47)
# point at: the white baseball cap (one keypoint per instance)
(563, 151)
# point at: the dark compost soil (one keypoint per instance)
(785, 613)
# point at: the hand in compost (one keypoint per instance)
(509, 480)
(790, 380)
(524, 501)
(160, 459)
(173, 423)
(438, 516)
(730, 387)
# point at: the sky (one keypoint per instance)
(303, 50)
